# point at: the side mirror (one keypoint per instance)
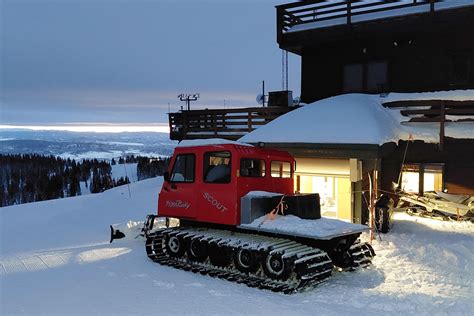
(166, 176)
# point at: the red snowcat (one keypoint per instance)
(239, 219)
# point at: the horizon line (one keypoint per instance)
(93, 127)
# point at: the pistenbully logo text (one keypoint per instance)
(177, 204)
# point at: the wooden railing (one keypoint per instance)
(222, 123)
(433, 110)
(428, 111)
(344, 12)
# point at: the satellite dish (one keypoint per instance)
(260, 98)
(296, 101)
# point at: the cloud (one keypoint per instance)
(124, 106)
(126, 61)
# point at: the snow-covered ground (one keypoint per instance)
(118, 171)
(125, 170)
(55, 259)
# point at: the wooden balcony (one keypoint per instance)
(435, 111)
(221, 123)
(318, 20)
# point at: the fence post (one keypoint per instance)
(214, 126)
(185, 125)
(170, 122)
(442, 120)
(349, 12)
(249, 121)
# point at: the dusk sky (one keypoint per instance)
(123, 61)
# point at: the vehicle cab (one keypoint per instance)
(206, 181)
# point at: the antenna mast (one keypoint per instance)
(188, 98)
(284, 70)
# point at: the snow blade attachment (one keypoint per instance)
(115, 234)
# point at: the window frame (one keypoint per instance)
(174, 164)
(262, 161)
(365, 68)
(282, 172)
(422, 167)
(204, 162)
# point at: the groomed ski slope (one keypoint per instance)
(55, 259)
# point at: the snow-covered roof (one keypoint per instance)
(358, 119)
(454, 95)
(209, 141)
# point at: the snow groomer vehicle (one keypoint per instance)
(240, 220)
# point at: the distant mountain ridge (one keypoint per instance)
(85, 145)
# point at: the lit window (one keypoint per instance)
(411, 178)
(432, 177)
(217, 167)
(281, 169)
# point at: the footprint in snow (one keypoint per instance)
(195, 284)
(164, 285)
(140, 275)
(216, 293)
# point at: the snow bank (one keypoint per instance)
(358, 119)
(125, 170)
(76, 220)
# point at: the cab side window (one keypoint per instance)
(252, 167)
(217, 167)
(183, 168)
(281, 169)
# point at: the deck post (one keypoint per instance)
(185, 125)
(214, 124)
(249, 121)
(442, 120)
(279, 23)
(349, 12)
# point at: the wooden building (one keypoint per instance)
(338, 142)
(421, 142)
(379, 46)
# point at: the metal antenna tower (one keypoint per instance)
(284, 70)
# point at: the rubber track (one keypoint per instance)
(362, 254)
(311, 266)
